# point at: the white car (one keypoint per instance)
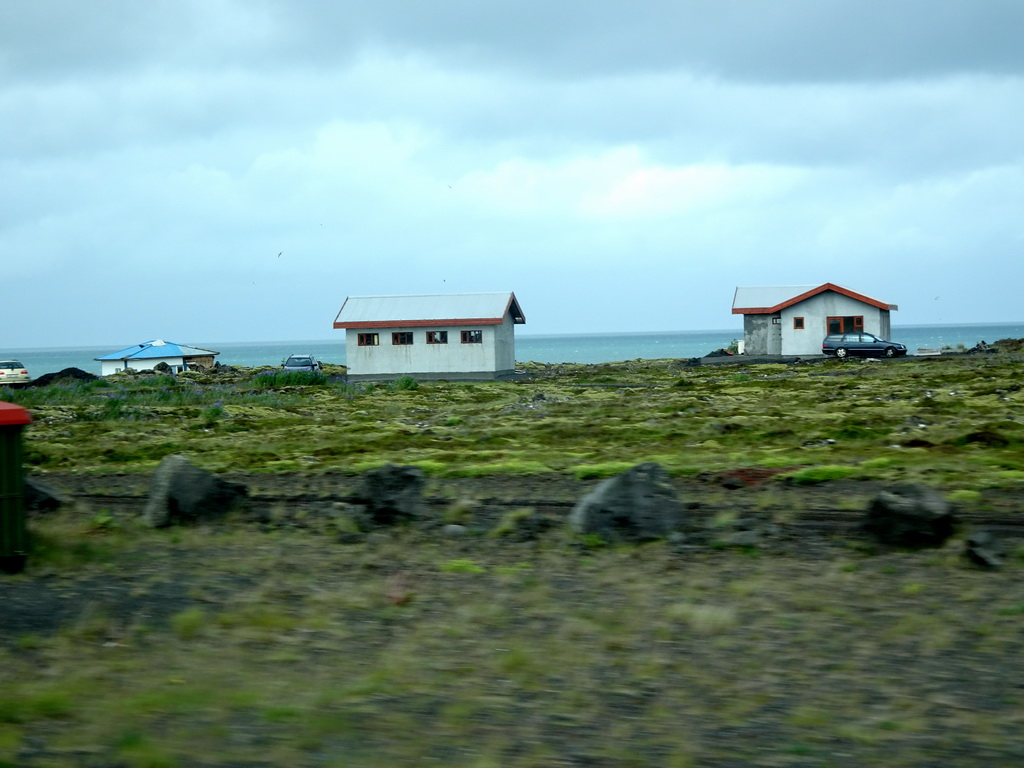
(13, 374)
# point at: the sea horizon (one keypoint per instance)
(520, 334)
(530, 347)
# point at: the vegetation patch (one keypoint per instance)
(821, 474)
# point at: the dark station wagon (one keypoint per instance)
(301, 363)
(859, 343)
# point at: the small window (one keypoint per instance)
(472, 337)
(401, 338)
(368, 340)
(798, 323)
(437, 337)
(776, 320)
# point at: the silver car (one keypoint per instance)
(13, 374)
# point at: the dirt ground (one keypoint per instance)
(421, 647)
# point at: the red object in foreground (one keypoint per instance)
(13, 536)
(11, 414)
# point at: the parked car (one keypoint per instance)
(301, 363)
(860, 343)
(13, 374)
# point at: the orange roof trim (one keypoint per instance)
(809, 294)
(421, 323)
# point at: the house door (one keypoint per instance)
(846, 324)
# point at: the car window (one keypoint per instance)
(11, 364)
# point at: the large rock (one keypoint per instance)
(391, 494)
(638, 505)
(910, 516)
(73, 374)
(182, 493)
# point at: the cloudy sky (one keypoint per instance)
(231, 170)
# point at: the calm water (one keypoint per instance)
(583, 348)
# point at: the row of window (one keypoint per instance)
(835, 324)
(404, 338)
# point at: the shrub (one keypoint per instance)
(189, 623)
(462, 566)
(275, 379)
(211, 414)
(405, 383)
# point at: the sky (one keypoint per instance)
(231, 170)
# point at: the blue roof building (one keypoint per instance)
(148, 354)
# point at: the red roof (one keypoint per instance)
(11, 414)
(808, 294)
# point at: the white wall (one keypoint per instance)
(108, 367)
(496, 353)
(815, 311)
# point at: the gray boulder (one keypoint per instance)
(391, 494)
(638, 505)
(183, 493)
(910, 516)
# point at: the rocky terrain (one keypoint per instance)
(467, 616)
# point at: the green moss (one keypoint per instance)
(595, 471)
(501, 468)
(964, 496)
(821, 474)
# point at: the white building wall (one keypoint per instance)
(815, 311)
(495, 354)
(108, 367)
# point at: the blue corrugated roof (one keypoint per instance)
(156, 348)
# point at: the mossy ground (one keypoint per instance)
(945, 422)
(232, 645)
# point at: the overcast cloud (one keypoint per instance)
(232, 169)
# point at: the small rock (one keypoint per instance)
(454, 529)
(982, 548)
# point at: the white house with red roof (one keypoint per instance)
(454, 336)
(793, 319)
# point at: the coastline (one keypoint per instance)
(538, 348)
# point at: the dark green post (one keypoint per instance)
(13, 536)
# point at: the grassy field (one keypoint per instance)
(242, 645)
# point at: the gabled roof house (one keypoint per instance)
(148, 354)
(793, 319)
(457, 336)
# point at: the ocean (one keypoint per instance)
(577, 348)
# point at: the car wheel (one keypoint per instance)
(890, 352)
(841, 352)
